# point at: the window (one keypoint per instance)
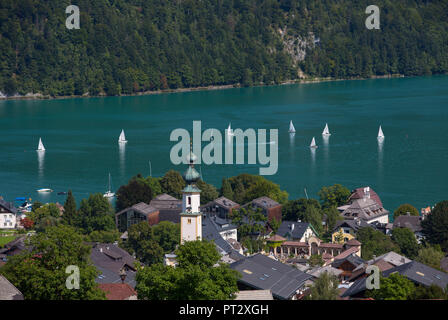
(189, 201)
(189, 221)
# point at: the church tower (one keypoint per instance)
(191, 217)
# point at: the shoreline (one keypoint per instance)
(40, 96)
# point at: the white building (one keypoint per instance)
(8, 219)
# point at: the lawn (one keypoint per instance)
(5, 240)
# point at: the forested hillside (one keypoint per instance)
(129, 46)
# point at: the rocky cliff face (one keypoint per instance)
(297, 45)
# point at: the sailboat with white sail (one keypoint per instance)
(122, 138)
(229, 131)
(109, 193)
(40, 147)
(380, 134)
(291, 127)
(313, 144)
(326, 131)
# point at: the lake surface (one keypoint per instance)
(80, 136)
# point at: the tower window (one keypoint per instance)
(189, 221)
(189, 200)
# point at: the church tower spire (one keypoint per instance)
(191, 216)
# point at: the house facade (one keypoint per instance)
(8, 215)
(136, 214)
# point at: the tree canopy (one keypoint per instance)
(435, 226)
(406, 241)
(41, 273)
(137, 190)
(198, 276)
(374, 242)
(133, 46)
(333, 196)
(404, 209)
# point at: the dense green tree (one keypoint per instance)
(431, 256)
(294, 210)
(325, 288)
(395, 287)
(154, 184)
(314, 216)
(185, 44)
(333, 216)
(172, 183)
(429, 293)
(197, 277)
(208, 192)
(41, 273)
(95, 214)
(167, 235)
(103, 236)
(265, 188)
(69, 209)
(333, 196)
(404, 209)
(136, 191)
(374, 242)
(141, 242)
(435, 226)
(226, 189)
(406, 241)
(36, 205)
(250, 222)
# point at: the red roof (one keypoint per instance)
(359, 194)
(117, 291)
(276, 238)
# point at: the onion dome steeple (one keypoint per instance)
(191, 175)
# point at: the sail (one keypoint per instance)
(291, 127)
(122, 137)
(326, 130)
(380, 133)
(41, 145)
(313, 143)
(229, 130)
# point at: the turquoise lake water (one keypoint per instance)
(80, 136)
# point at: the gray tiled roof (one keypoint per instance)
(351, 223)
(366, 209)
(357, 287)
(8, 291)
(8, 206)
(411, 222)
(265, 202)
(353, 259)
(111, 258)
(262, 272)
(225, 203)
(210, 232)
(142, 208)
(421, 274)
(296, 234)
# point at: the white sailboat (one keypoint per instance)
(326, 131)
(380, 134)
(122, 138)
(291, 127)
(40, 147)
(313, 144)
(109, 193)
(229, 131)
